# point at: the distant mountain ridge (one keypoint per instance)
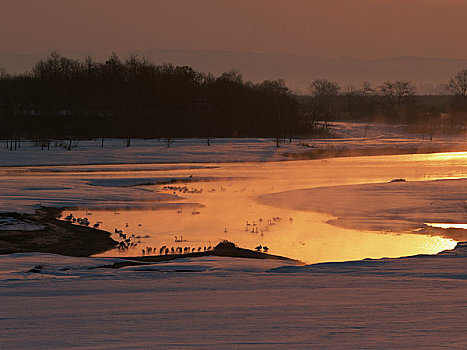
(429, 74)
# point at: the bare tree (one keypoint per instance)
(357, 103)
(395, 94)
(323, 88)
(458, 84)
(365, 90)
(278, 100)
(458, 87)
(233, 75)
(325, 94)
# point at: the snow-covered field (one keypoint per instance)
(213, 302)
(348, 136)
(219, 303)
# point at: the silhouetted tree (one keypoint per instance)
(458, 87)
(70, 99)
(358, 103)
(396, 94)
(458, 83)
(324, 95)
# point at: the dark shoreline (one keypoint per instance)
(224, 249)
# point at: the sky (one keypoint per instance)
(329, 28)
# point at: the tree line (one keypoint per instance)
(67, 98)
(390, 102)
(63, 98)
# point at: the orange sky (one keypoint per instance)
(359, 28)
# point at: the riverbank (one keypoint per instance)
(223, 249)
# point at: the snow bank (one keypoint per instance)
(409, 303)
(18, 266)
(392, 206)
(211, 265)
(348, 136)
(23, 194)
(11, 223)
(445, 265)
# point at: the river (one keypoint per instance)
(219, 201)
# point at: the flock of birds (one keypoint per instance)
(164, 250)
(129, 241)
(81, 221)
(182, 189)
(126, 239)
(264, 248)
(254, 227)
(262, 225)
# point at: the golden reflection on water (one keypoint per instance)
(441, 156)
(231, 212)
(229, 201)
